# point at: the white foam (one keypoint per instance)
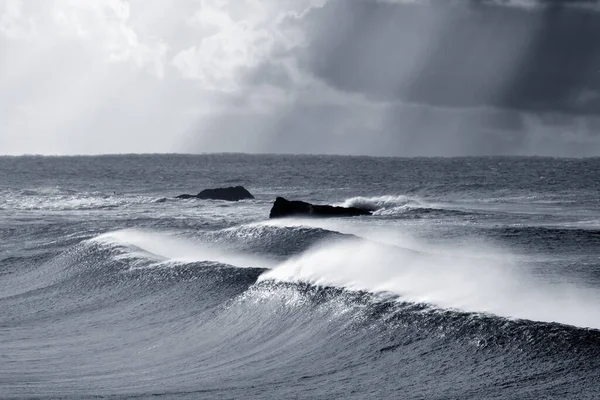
(380, 203)
(481, 279)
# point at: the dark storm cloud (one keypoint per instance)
(448, 78)
(561, 72)
(463, 54)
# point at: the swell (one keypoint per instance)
(272, 239)
(91, 278)
(105, 256)
(172, 310)
(308, 335)
(477, 279)
(490, 330)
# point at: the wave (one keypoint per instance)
(449, 279)
(476, 278)
(405, 206)
(271, 237)
(383, 203)
(161, 247)
(479, 279)
(255, 339)
(194, 315)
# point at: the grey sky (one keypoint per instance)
(379, 77)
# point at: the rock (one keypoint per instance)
(233, 193)
(286, 208)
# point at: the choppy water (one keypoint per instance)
(475, 278)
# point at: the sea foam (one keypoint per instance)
(478, 278)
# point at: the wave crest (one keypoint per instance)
(385, 204)
(457, 279)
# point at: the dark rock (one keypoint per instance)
(286, 208)
(233, 193)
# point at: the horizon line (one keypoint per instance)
(224, 153)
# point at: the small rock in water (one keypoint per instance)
(286, 208)
(234, 193)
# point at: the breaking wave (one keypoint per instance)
(384, 203)
(479, 280)
(210, 309)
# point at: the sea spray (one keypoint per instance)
(450, 278)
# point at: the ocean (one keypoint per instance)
(475, 278)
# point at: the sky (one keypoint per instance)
(374, 77)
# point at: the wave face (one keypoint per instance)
(487, 297)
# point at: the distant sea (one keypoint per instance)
(475, 278)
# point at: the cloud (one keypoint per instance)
(462, 56)
(232, 43)
(104, 26)
(593, 5)
(13, 22)
(107, 25)
(381, 77)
